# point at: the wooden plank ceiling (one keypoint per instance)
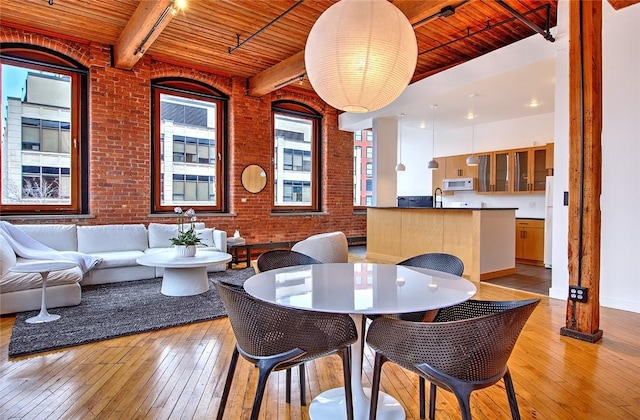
(201, 35)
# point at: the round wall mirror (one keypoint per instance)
(254, 178)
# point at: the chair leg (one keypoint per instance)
(288, 386)
(463, 394)
(421, 386)
(362, 340)
(262, 382)
(265, 367)
(227, 385)
(511, 395)
(303, 389)
(432, 401)
(346, 371)
(375, 385)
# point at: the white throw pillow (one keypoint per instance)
(160, 235)
(206, 236)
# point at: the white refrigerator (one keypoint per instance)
(548, 222)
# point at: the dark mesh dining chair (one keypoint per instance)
(439, 261)
(466, 348)
(275, 338)
(279, 258)
(446, 263)
(436, 261)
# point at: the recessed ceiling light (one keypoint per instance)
(422, 125)
(533, 103)
(471, 116)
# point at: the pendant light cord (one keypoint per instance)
(433, 132)
(400, 138)
(473, 123)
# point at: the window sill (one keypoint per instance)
(47, 217)
(299, 213)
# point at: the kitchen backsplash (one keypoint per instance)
(530, 205)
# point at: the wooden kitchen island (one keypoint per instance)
(483, 238)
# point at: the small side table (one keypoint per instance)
(44, 268)
(234, 251)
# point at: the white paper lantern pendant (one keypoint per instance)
(361, 54)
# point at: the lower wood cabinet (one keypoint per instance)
(530, 241)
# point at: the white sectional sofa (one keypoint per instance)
(118, 247)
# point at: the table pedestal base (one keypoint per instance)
(331, 405)
(184, 281)
(43, 316)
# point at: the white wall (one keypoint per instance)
(620, 200)
(620, 237)
(385, 178)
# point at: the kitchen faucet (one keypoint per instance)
(435, 197)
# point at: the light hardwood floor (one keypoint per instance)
(179, 373)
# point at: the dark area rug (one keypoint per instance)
(117, 309)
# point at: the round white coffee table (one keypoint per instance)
(44, 268)
(184, 276)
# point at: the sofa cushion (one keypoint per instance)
(112, 259)
(11, 282)
(107, 238)
(7, 256)
(59, 237)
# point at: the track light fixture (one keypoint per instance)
(172, 8)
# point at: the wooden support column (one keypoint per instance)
(585, 164)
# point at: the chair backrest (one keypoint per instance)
(264, 329)
(474, 348)
(278, 258)
(330, 247)
(436, 261)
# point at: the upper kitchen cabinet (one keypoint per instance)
(529, 170)
(456, 167)
(493, 172)
(549, 164)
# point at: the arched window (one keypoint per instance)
(296, 157)
(45, 132)
(188, 145)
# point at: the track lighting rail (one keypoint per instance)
(240, 44)
(488, 27)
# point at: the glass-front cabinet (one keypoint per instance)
(494, 172)
(529, 170)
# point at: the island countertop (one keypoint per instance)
(443, 208)
(483, 238)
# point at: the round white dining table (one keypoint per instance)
(358, 289)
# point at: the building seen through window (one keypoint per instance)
(189, 151)
(363, 168)
(36, 137)
(293, 160)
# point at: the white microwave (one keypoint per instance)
(459, 184)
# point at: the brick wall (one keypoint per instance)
(120, 136)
